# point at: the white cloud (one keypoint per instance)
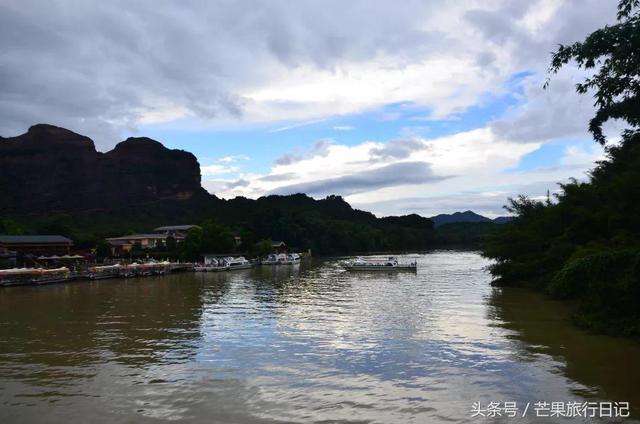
(101, 68)
(209, 170)
(233, 158)
(467, 170)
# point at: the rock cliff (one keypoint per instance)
(50, 169)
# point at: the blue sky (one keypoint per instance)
(401, 107)
(264, 143)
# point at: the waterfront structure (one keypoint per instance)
(178, 232)
(124, 244)
(279, 246)
(35, 244)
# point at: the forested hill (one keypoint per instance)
(54, 182)
(466, 217)
(585, 244)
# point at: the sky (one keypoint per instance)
(405, 107)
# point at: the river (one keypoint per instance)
(307, 343)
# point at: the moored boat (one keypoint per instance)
(389, 264)
(16, 276)
(105, 271)
(282, 259)
(210, 265)
(50, 276)
(22, 276)
(231, 263)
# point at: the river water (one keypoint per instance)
(307, 343)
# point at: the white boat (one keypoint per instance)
(107, 271)
(231, 263)
(271, 259)
(208, 268)
(282, 259)
(389, 264)
(293, 258)
(211, 265)
(49, 276)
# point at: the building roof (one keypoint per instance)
(35, 239)
(138, 237)
(278, 243)
(118, 242)
(176, 228)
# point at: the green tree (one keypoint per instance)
(171, 244)
(586, 245)
(10, 227)
(103, 250)
(613, 53)
(191, 247)
(262, 248)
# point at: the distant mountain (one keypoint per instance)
(502, 219)
(466, 216)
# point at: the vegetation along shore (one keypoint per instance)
(584, 243)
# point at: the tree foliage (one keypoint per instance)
(586, 244)
(613, 53)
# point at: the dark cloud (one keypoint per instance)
(398, 149)
(278, 177)
(397, 174)
(238, 183)
(101, 67)
(320, 148)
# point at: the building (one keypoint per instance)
(124, 244)
(279, 246)
(175, 231)
(35, 244)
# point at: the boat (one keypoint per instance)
(282, 259)
(211, 265)
(389, 264)
(50, 276)
(38, 276)
(231, 263)
(16, 276)
(105, 271)
(271, 259)
(127, 273)
(293, 258)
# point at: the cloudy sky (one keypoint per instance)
(415, 106)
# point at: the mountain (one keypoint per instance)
(502, 219)
(50, 169)
(54, 181)
(467, 216)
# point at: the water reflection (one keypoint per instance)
(599, 367)
(301, 343)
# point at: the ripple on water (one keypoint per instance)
(310, 343)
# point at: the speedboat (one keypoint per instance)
(389, 264)
(293, 258)
(231, 263)
(271, 259)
